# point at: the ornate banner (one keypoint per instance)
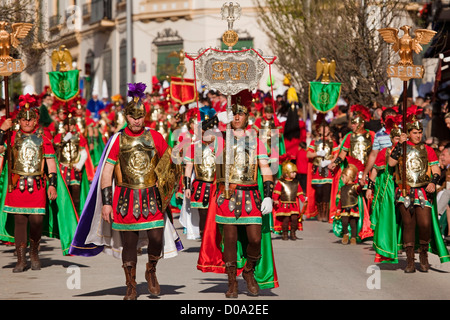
(64, 85)
(230, 71)
(183, 91)
(324, 96)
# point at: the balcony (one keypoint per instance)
(161, 10)
(99, 14)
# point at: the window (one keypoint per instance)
(167, 42)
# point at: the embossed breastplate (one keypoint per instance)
(244, 165)
(138, 158)
(60, 128)
(81, 123)
(162, 128)
(417, 169)
(69, 153)
(360, 146)
(327, 147)
(120, 119)
(206, 170)
(28, 154)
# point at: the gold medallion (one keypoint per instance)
(230, 38)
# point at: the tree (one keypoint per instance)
(303, 31)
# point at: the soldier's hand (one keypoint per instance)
(431, 187)
(7, 124)
(187, 193)
(51, 193)
(369, 194)
(266, 206)
(362, 181)
(403, 137)
(107, 213)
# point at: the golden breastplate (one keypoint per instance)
(349, 196)
(206, 170)
(289, 193)
(60, 128)
(266, 133)
(81, 124)
(69, 153)
(417, 169)
(251, 120)
(138, 158)
(360, 146)
(320, 146)
(244, 165)
(120, 119)
(162, 128)
(28, 154)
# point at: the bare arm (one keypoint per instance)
(370, 161)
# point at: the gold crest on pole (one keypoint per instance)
(405, 46)
(9, 65)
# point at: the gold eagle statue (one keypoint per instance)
(325, 69)
(405, 45)
(19, 31)
(63, 58)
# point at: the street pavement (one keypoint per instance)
(314, 267)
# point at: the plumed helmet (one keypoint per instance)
(136, 108)
(412, 122)
(27, 107)
(360, 113)
(393, 125)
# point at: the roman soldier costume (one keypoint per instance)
(72, 155)
(319, 176)
(291, 198)
(145, 178)
(239, 205)
(355, 150)
(412, 198)
(33, 176)
(202, 157)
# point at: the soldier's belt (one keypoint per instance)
(136, 186)
(234, 186)
(27, 181)
(148, 202)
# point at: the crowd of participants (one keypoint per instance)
(322, 172)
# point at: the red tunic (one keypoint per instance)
(18, 202)
(316, 177)
(287, 208)
(129, 222)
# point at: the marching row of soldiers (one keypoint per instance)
(119, 170)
